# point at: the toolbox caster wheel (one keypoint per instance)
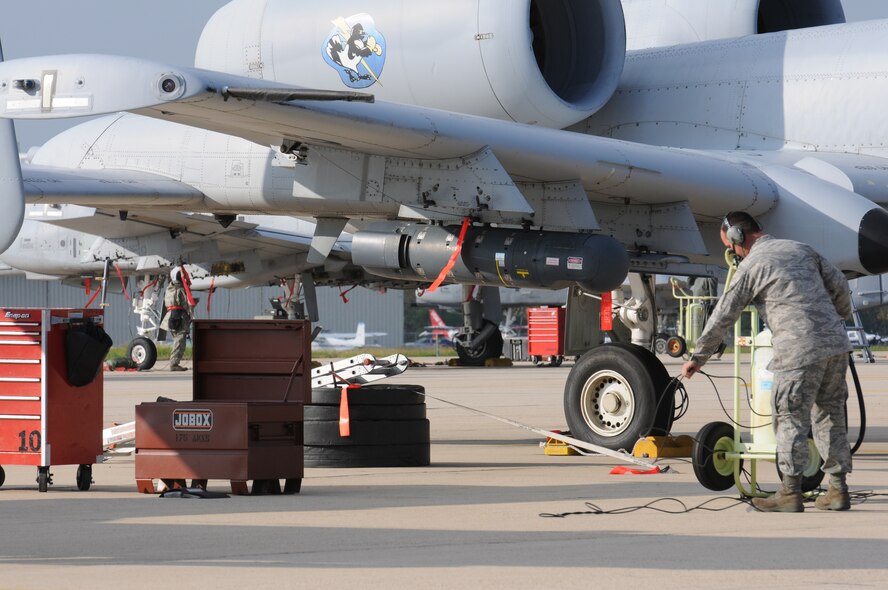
(44, 478)
(84, 477)
(712, 469)
(2, 476)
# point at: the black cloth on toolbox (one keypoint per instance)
(86, 346)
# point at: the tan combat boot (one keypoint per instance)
(836, 496)
(787, 499)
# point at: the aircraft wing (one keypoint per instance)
(274, 235)
(121, 189)
(502, 172)
(259, 110)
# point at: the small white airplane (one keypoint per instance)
(342, 341)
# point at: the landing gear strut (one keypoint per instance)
(480, 338)
(620, 392)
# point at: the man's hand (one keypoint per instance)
(689, 368)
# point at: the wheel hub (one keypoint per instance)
(139, 354)
(608, 403)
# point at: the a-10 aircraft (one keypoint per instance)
(523, 143)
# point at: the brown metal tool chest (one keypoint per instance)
(245, 421)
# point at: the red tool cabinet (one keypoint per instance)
(44, 420)
(545, 331)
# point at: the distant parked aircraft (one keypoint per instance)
(342, 341)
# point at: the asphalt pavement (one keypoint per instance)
(479, 516)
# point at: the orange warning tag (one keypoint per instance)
(607, 312)
(344, 427)
(623, 470)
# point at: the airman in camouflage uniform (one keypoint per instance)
(803, 300)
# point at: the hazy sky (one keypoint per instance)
(163, 30)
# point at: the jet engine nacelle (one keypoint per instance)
(544, 62)
(492, 257)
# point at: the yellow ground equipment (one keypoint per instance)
(691, 320)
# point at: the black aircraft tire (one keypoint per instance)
(412, 455)
(370, 395)
(663, 385)
(143, 352)
(610, 397)
(371, 432)
(315, 413)
(491, 349)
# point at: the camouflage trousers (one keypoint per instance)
(178, 350)
(812, 398)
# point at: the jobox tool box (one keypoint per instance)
(245, 421)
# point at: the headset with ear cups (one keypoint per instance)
(735, 234)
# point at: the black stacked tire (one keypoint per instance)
(388, 427)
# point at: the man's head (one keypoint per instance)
(739, 231)
(176, 275)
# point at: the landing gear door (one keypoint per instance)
(582, 327)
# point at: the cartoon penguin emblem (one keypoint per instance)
(355, 49)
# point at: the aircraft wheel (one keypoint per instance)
(409, 455)
(492, 348)
(663, 386)
(712, 469)
(676, 347)
(610, 398)
(370, 395)
(84, 477)
(812, 477)
(143, 352)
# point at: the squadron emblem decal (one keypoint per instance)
(356, 49)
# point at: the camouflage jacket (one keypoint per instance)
(175, 296)
(799, 294)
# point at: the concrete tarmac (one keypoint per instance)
(473, 518)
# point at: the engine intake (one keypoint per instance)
(492, 257)
(546, 62)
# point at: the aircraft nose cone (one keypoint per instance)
(873, 241)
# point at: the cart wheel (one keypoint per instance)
(676, 347)
(660, 345)
(812, 476)
(712, 469)
(42, 479)
(84, 477)
(557, 360)
(535, 359)
(2, 476)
